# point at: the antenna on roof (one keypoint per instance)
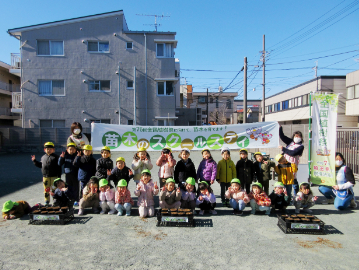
(156, 16)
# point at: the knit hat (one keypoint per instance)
(71, 144)
(243, 150)
(236, 180)
(57, 180)
(122, 183)
(257, 184)
(279, 184)
(170, 180)
(106, 148)
(103, 182)
(278, 157)
(120, 159)
(191, 181)
(225, 149)
(8, 206)
(49, 145)
(185, 149)
(146, 171)
(87, 147)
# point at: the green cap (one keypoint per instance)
(146, 171)
(170, 180)
(103, 182)
(236, 180)
(57, 180)
(204, 182)
(279, 184)
(257, 184)
(8, 206)
(191, 181)
(122, 183)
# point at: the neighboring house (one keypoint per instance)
(94, 69)
(9, 85)
(253, 110)
(352, 103)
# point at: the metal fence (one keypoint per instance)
(347, 144)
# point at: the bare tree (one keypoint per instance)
(218, 115)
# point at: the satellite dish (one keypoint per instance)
(220, 89)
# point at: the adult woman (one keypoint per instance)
(77, 137)
(292, 152)
(342, 193)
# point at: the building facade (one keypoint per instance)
(253, 110)
(352, 103)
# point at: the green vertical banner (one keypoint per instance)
(325, 107)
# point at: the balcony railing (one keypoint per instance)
(16, 100)
(15, 61)
(10, 87)
(5, 111)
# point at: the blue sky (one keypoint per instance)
(214, 37)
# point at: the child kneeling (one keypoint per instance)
(206, 199)
(123, 198)
(304, 199)
(238, 198)
(107, 198)
(63, 195)
(90, 197)
(170, 196)
(259, 199)
(188, 199)
(279, 197)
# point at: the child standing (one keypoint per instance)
(64, 195)
(226, 171)
(285, 171)
(12, 210)
(90, 197)
(107, 198)
(49, 168)
(304, 199)
(238, 197)
(141, 161)
(145, 191)
(104, 163)
(279, 197)
(188, 199)
(120, 172)
(245, 170)
(184, 168)
(86, 164)
(166, 162)
(123, 198)
(262, 170)
(71, 172)
(170, 196)
(206, 199)
(259, 199)
(207, 169)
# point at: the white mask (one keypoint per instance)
(297, 139)
(338, 163)
(77, 131)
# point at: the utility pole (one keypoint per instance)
(264, 79)
(316, 69)
(134, 97)
(207, 107)
(245, 92)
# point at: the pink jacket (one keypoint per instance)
(146, 193)
(124, 199)
(109, 195)
(166, 167)
(240, 195)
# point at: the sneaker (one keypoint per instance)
(76, 204)
(128, 214)
(239, 213)
(306, 210)
(120, 213)
(111, 212)
(47, 204)
(102, 212)
(95, 210)
(253, 212)
(235, 211)
(81, 212)
(328, 201)
(353, 204)
(297, 211)
(201, 212)
(213, 212)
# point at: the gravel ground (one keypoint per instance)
(112, 242)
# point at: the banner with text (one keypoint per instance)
(154, 138)
(324, 116)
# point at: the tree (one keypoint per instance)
(218, 115)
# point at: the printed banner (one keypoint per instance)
(324, 116)
(154, 138)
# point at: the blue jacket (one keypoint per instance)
(63, 197)
(68, 160)
(87, 167)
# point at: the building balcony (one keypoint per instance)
(5, 113)
(8, 89)
(15, 64)
(16, 102)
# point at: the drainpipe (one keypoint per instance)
(119, 94)
(146, 73)
(134, 96)
(22, 92)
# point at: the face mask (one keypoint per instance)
(77, 131)
(338, 163)
(297, 139)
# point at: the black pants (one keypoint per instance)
(265, 185)
(248, 187)
(206, 205)
(224, 188)
(71, 180)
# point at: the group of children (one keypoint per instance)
(95, 177)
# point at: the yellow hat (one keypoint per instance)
(141, 149)
(87, 147)
(169, 149)
(243, 150)
(106, 148)
(71, 144)
(278, 157)
(257, 153)
(49, 145)
(206, 149)
(120, 159)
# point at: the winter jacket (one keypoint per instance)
(117, 175)
(261, 199)
(184, 170)
(166, 167)
(294, 152)
(226, 171)
(188, 196)
(245, 171)
(170, 197)
(240, 195)
(207, 170)
(19, 210)
(109, 195)
(87, 167)
(63, 197)
(88, 196)
(262, 170)
(145, 194)
(305, 198)
(211, 198)
(279, 199)
(138, 166)
(286, 173)
(49, 165)
(124, 199)
(80, 140)
(68, 160)
(102, 165)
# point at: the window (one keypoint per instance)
(276, 107)
(202, 99)
(285, 104)
(52, 123)
(161, 123)
(164, 50)
(95, 86)
(50, 47)
(164, 88)
(299, 101)
(129, 84)
(98, 46)
(129, 45)
(297, 122)
(217, 103)
(229, 104)
(101, 121)
(350, 92)
(269, 108)
(204, 112)
(130, 122)
(305, 99)
(51, 87)
(211, 100)
(356, 91)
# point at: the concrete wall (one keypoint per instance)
(352, 78)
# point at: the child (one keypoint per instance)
(49, 168)
(259, 199)
(245, 170)
(226, 171)
(285, 171)
(166, 163)
(12, 210)
(238, 198)
(141, 161)
(77, 137)
(170, 197)
(107, 198)
(262, 170)
(104, 163)
(279, 197)
(184, 168)
(86, 164)
(64, 195)
(304, 199)
(206, 199)
(188, 199)
(71, 172)
(123, 198)
(207, 169)
(90, 197)
(120, 172)
(145, 191)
